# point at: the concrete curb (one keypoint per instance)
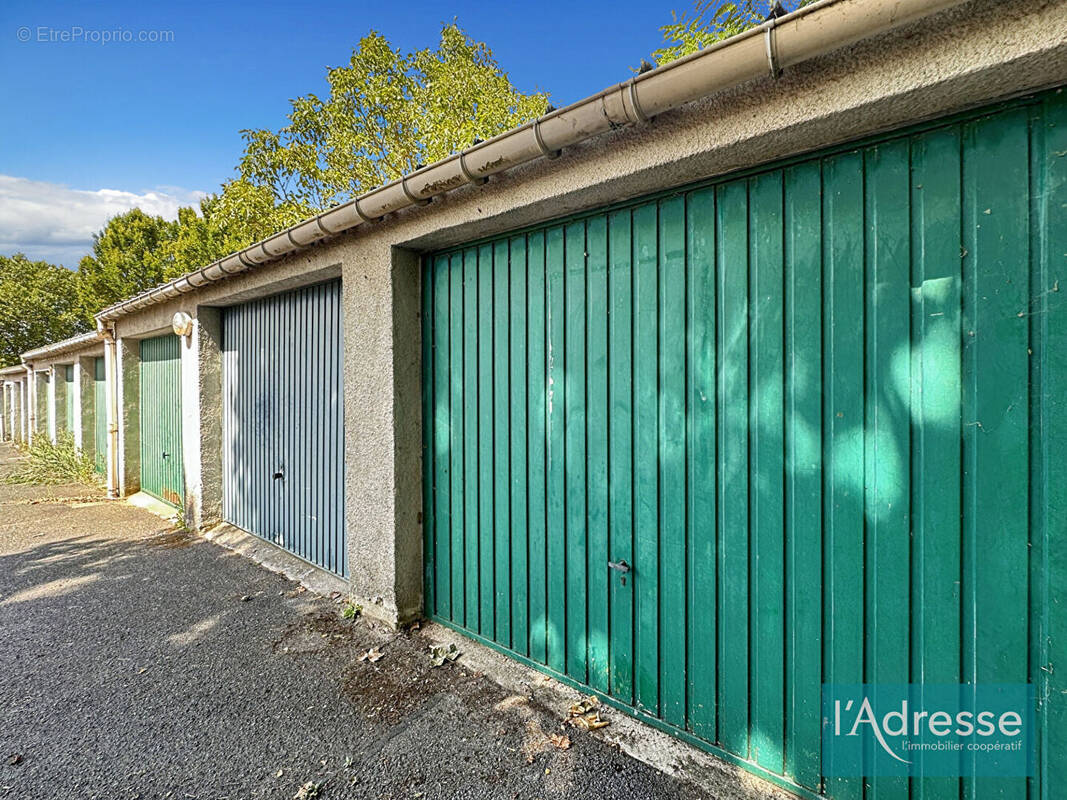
(659, 750)
(274, 558)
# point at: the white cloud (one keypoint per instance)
(55, 223)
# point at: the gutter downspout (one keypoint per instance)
(767, 49)
(111, 388)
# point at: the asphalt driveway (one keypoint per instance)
(141, 662)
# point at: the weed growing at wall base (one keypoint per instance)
(54, 463)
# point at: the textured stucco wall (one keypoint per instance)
(59, 399)
(189, 366)
(206, 432)
(13, 411)
(51, 391)
(128, 366)
(22, 412)
(75, 389)
(41, 396)
(972, 55)
(53, 407)
(18, 430)
(112, 395)
(85, 405)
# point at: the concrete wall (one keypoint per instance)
(114, 441)
(42, 403)
(12, 412)
(85, 405)
(204, 429)
(201, 398)
(58, 400)
(201, 371)
(47, 404)
(5, 410)
(128, 386)
(972, 55)
(21, 412)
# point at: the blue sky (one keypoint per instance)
(92, 128)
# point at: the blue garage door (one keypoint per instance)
(283, 424)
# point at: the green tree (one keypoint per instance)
(38, 305)
(712, 21)
(386, 113)
(223, 224)
(129, 255)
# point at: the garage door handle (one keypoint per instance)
(278, 476)
(166, 454)
(621, 567)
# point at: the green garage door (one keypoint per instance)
(99, 417)
(161, 419)
(68, 397)
(42, 408)
(818, 412)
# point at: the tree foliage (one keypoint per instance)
(38, 305)
(129, 255)
(386, 113)
(712, 21)
(223, 224)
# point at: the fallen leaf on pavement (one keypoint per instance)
(589, 722)
(584, 706)
(585, 714)
(440, 653)
(561, 742)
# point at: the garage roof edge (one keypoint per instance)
(58, 348)
(810, 31)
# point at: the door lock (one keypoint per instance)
(621, 567)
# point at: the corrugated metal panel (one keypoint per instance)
(68, 397)
(283, 422)
(161, 419)
(99, 416)
(820, 411)
(42, 408)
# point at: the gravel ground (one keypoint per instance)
(141, 662)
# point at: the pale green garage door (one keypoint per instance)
(99, 416)
(819, 412)
(161, 419)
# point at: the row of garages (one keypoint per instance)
(712, 411)
(279, 401)
(59, 389)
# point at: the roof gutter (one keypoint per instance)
(764, 50)
(58, 348)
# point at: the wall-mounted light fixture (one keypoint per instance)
(181, 323)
